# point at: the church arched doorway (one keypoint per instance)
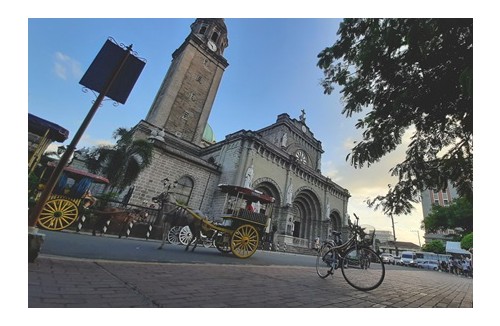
(306, 215)
(335, 222)
(269, 187)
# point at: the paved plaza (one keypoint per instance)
(66, 283)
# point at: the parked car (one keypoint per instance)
(387, 258)
(409, 258)
(428, 264)
(397, 260)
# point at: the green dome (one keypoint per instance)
(208, 135)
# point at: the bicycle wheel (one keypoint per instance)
(363, 268)
(325, 261)
(173, 235)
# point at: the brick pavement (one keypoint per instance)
(63, 282)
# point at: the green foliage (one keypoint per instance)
(466, 242)
(123, 162)
(434, 246)
(458, 215)
(411, 75)
(103, 199)
(33, 181)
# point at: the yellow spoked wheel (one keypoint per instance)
(244, 241)
(58, 214)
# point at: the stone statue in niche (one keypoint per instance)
(284, 140)
(248, 177)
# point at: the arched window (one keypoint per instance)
(203, 29)
(215, 36)
(183, 189)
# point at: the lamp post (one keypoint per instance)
(418, 235)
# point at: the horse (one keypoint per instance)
(172, 215)
(122, 216)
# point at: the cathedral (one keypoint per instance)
(281, 160)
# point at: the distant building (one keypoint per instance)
(384, 236)
(432, 197)
(390, 247)
(387, 244)
(443, 198)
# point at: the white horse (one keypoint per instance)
(174, 215)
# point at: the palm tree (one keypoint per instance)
(123, 162)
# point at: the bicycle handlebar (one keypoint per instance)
(351, 224)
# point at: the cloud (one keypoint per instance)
(88, 141)
(65, 67)
(85, 141)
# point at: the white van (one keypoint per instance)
(409, 258)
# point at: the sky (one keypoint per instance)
(272, 70)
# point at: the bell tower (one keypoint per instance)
(185, 98)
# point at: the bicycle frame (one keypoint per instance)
(361, 266)
(340, 250)
(352, 241)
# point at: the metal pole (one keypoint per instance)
(49, 187)
(418, 235)
(394, 233)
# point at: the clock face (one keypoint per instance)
(212, 46)
(301, 157)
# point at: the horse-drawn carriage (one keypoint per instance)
(245, 216)
(69, 199)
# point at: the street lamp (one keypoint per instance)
(418, 235)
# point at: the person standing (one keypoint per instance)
(454, 265)
(466, 267)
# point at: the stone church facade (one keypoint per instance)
(281, 160)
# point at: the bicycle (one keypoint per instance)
(361, 266)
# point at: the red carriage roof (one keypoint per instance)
(248, 194)
(81, 173)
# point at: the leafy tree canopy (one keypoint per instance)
(458, 215)
(466, 242)
(434, 246)
(123, 162)
(409, 75)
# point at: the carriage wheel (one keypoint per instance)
(173, 235)
(185, 235)
(244, 241)
(221, 242)
(58, 214)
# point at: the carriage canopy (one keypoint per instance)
(247, 194)
(77, 173)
